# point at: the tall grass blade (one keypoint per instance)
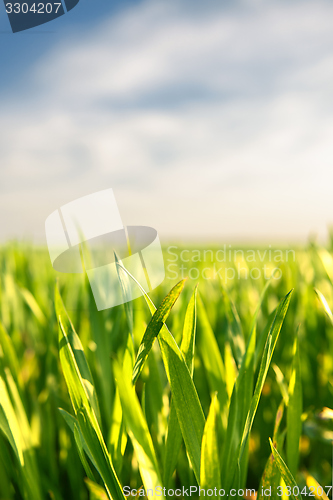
(212, 361)
(124, 281)
(138, 430)
(154, 327)
(74, 344)
(82, 398)
(285, 473)
(325, 305)
(294, 410)
(174, 436)
(235, 331)
(210, 462)
(189, 411)
(264, 366)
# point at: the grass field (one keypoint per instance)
(128, 401)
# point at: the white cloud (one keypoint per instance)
(206, 122)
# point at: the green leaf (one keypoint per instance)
(8, 355)
(137, 429)
(240, 402)
(212, 361)
(33, 305)
(294, 410)
(174, 436)
(264, 366)
(154, 327)
(73, 424)
(69, 334)
(118, 437)
(285, 472)
(210, 462)
(125, 285)
(324, 304)
(96, 491)
(14, 424)
(281, 383)
(189, 412)
(235, 331)
(270, 481)
(79, 444)
(82, 397)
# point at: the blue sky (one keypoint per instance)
(209, 120)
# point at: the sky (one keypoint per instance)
(210, 120)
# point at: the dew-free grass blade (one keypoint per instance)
(210, 462)
(137, 429)
(8, 355)
(242, 398)
(74, 343)
(82, 402)
(79, 444)
(155, 405)
(270, 480)
(118, 438)
(125, 286)
(325, 305)
(72, 424)
(154, 327)
(285, 473)
(235, 331)
(189, 411)
(317, 490)
(174, 436)
(212, 361)
(96, 491)
(294, 410)
(14, 424)
(31, 302)
(281, 383)
(264, 366)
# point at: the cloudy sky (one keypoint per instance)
(210, 120)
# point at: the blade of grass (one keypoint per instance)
(124, 281)
(189, 412)
(285, 472)
(235, 331)
(138, 430)
(325, 305)
(210, 462)
(14, 424)
(264, 366)
(79, 445)
(174, 436)
(294, 410)
(76, 348)
(82, 402)
(154, 327)
(212, 361)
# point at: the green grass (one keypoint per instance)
(210, 382)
